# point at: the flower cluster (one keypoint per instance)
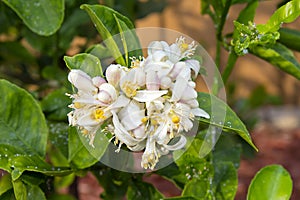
(147, 107)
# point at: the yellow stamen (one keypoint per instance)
(175, 119)
(144, 119)
(184, 46)
(85, 132)
(99, 114)
(135, 63)
(129, 89)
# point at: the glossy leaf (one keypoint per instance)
(290, 38)
(99, 51)
(16, 162)
(20, 190)
(81, 153)
(64, 181)
(285, 14)
(228, 149)
(22, 121)
(190, 164)
(232, 123)
(58, 138)
(41, 16)
(181, 198)
(131, 45)
(9, 195)
(248, 37)
(55, 105)
(142, 191)
(5, 183)
(271, 182)
(225, 180)
(24, 191)
(116, 32)
(280, 56)
(114, 183)
(105, 23)
(197, 188)
(86, 62)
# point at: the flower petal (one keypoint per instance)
(152, 81)
(148, 96)
(194, 65)
(200, 113)
(121, 133)
(179, 87)
(178, 145)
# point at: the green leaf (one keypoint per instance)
(190, 164)
(181, 198)
(285, 14)
(280, 56)
(290, 38)
(20, 190)
(227, 149)
(225, 180)
(99, 51)
(22, 121)
(86, 62)
(131, 44)
(247, 37)
(9, 195)
(197, 188)
(5, 183)
(232, 123)
(24, 191)
(55, 105)
(81, 153)
(64, 181)
(142, 191)
(35, 193)
(114, 183)
(271, 182)
(16, 162)
(104, 21)
(248, 13)
(58, 137)
(41, 16)
(114, 28)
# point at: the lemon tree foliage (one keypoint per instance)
(40, 152)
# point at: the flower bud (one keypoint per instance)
(81, 81)
(107, 93)
(165, 82)
(177, 68)
(113, 74)
(97, 81)
(152, 81)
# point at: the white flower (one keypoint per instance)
(93, 102)
(148, 106)
(174, 52)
